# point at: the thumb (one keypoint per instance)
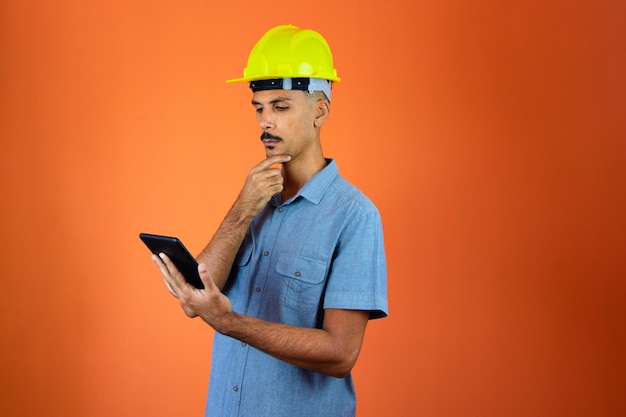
(205, 276)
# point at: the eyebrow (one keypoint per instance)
(276, 100)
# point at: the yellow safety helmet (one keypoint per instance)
(288, 57)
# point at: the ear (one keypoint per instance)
(322, 110)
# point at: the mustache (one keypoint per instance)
(267, 135)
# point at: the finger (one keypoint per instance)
(166, 274)
(162, 267)
(271, 177)
(170, 289)
(273, 160)
(264, 184)
(173, 276)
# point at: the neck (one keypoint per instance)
(297, 173)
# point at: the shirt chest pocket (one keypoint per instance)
(240, 271)
(243, 256)
(304, 280)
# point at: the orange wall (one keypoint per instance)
(491, 134)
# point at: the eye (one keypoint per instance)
(259, 109)
(281, 108)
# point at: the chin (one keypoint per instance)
(272, 151)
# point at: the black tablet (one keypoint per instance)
(178, 253)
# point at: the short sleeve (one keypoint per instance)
(358, 274)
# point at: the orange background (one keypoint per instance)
(491, 135)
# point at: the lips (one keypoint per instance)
(270, 140)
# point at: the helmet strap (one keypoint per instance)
(303, 84)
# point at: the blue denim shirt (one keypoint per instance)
(321, 249)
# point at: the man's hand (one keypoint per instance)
(209, 303)
(262, 183)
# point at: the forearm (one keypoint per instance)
(220, 253)
(321, 350)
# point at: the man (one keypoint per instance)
(297, 267)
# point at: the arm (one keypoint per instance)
(332, 350)
(262, 183)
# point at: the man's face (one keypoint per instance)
(286, 121)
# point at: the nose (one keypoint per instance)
(265, 121)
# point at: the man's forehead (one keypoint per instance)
(272, 96)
